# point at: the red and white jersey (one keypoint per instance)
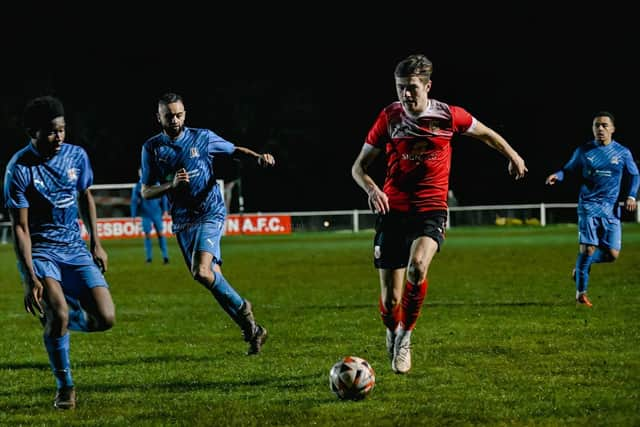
(418, 153)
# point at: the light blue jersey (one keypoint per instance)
(194, 151)
(49, 188)
(602, 168)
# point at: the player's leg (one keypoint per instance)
(608, 249)
(391, 285)
(148, 245)
(588, 228)
(415, 290)
(100, 309)
(604, 254)
(583, 270)
(56, 341)
(428, 230)
(162, 240)
(252, 332)
(610, 242)
(91, 307)
(203, 242)
(390, 256)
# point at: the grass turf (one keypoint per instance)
(500, 340)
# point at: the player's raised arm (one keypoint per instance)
(264, 159)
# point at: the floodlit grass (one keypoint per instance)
(500, 341)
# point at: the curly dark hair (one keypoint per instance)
(39, 112)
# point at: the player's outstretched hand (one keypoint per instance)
(517, 168)
(551, 179)
(266, 160)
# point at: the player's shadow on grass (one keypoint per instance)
(461, 303)
(298, 382)
(554, 303)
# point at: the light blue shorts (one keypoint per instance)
(76, 274)
(600, 231)
(204, 237)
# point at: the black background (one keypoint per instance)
(306, 84)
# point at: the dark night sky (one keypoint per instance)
(308, 90)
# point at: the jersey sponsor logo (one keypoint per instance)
(600, 172)
(419, 157)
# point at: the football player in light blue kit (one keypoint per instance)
(602, 163)
(45, 184)
(181, 159)
(151, 211)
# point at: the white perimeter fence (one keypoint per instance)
(113, 201)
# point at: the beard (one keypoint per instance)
(172, 131)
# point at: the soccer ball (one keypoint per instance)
(352, 378)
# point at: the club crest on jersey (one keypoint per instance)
(431, 125)
(615, 160)
(193, 153)
(72, 174)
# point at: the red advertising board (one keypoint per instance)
(129, 228)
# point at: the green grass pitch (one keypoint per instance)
(500, 340)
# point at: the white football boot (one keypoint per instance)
(402, 352)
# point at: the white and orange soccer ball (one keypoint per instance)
(352, 378)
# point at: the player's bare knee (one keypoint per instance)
(613, 254)
(107, 321)
(416, 271)
(202, 274)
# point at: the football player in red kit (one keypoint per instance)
(415, 134)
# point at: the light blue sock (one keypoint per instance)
(227, 297)
(77, 316)
(583, 264)
(148, 247)
(600, 256)
(163, 246)
(58, 350)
